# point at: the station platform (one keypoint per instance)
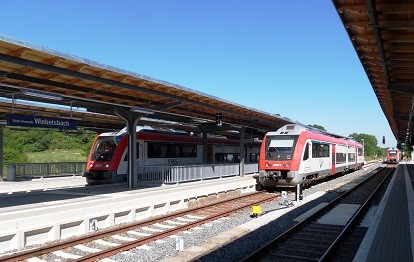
(41, 184)
(391, 235)
(36, 211)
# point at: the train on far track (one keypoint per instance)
(393, 155)
(297, 155)
(107, 161)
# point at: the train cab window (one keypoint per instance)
(306, 154)
(104, 149)
(280, 147)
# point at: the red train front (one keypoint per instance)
(393, 155)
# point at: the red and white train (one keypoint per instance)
(295, 154)
(107, 161)
(393, 155)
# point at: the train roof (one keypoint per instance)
(169, 131)
(297, 129)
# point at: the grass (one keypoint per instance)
(57, 155)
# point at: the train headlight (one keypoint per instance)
(287, 165)
(106, 166)
(91, 165)
(268, 164)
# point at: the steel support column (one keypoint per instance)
(131, 119)
(299, 194)
(242, 151)
(1, 151)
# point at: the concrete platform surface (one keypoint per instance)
(41, 184)
(391, 235)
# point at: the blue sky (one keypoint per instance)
(292, 58)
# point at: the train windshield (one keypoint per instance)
(104, 148)
(280, 147)
(392, 152)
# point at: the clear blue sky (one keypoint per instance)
(292, 58)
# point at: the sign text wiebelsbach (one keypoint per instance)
(45, 122)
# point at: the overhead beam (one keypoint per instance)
(373, 17)
(401, 88)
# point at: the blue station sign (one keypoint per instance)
(45, 122)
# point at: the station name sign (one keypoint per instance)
(45, 122)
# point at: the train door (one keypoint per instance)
(306, 159)
(210, 154)
(333, 159)
(140, 153)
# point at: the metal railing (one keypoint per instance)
(179, 174)
(159, 174)
(48, 169)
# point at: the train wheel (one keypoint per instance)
(259, 187)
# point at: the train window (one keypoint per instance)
(171, 150)
(320, 150)
(253, 158)
(306, 154)
(227, 157)
(280, 147)
(360, 152)
(126, 155)
(351, 157)
(340, 158)
(187, 150)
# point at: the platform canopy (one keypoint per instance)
(382, 33)
(35, 73)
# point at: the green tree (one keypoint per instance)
(370, 143)
(12, 156)
(318, 127)
(18, 143)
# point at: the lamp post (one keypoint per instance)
(363, 146)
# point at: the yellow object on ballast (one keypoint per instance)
(256, 211)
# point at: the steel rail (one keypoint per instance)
(130, 245)
(354, 218)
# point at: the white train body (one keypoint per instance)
(107, 160)
(296, 155)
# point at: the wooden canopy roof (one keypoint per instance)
(382, 33)
(38, 74)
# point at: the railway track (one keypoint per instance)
(108, 242)
(316, 239)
